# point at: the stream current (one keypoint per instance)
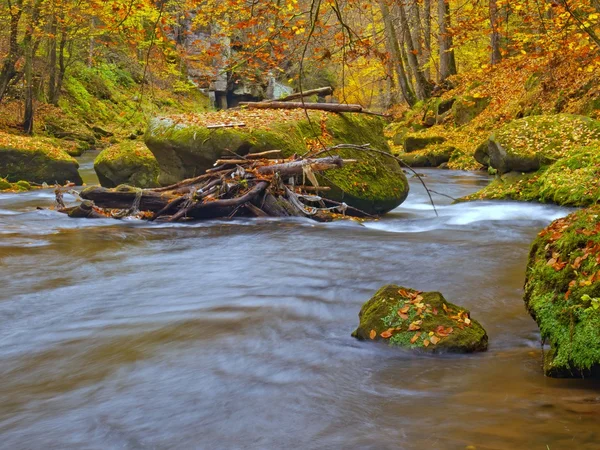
(236, 335)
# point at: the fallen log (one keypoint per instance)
(330, 107)
(328, 90)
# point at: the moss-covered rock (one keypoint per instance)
(432, 156)
(418, 141)
(467, 107)
(129, 162)
(5, 185)
(525, 145)
(406, 318)
(562, 293)
(185, 147)
(571, 181)
(35, 160)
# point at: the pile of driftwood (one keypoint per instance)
(251, 186)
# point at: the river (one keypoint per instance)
(236, 335)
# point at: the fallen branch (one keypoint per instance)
(319, 91)
(253, 188)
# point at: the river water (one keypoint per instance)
(231, 335)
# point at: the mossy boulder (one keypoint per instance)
(562, 293)
(571, 181)
(525, 145)
(419, 141)
(35, 160)
(425, 321)
(129, 162)
(433, 156)
(185, 146)
(467, 107)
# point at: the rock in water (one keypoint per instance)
(36, 160)
(407, 318)
(129, 162)
(562, 293)
(186, 146)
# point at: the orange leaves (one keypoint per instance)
(443, 332)
(386, 334)
(416, 337)
(434, 340)
(373, 334)
(414, 326)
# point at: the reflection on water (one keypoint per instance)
(237, 334)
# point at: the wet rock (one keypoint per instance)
(129, 162)
(405, 318)
(562, 293)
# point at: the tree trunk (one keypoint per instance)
(62, 66)
(53, 29)
(421, 85)
(495, 56)
(28, 116)
(396, 54)
(447, 61)
(427, 36)
(8, 71)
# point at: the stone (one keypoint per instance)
(421, 321)
(36, 160)
(129, 162)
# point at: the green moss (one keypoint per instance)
(467, 107)
(432, 156)
(418, 141)
(4, 184)
(23, 185)
(571, 181)
(412, 318)
(35, 160)
(129, 162)
(375, 184)
(562, 278)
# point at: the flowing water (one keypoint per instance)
(231, 335)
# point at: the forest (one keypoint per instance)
(198, 197)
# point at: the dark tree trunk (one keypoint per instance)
(421, 85)
(8, 71)
(447, 60)
(396, 55)
(495, 56)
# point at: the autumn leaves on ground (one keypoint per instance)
(506, 87)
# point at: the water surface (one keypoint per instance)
(128, 335)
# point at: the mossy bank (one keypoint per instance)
(562, 293)
(35, 160)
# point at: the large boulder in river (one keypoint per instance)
(187, 145)
(35, 160)
(407, 318)
(129, 162)
(525, 145)
(562, 293)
